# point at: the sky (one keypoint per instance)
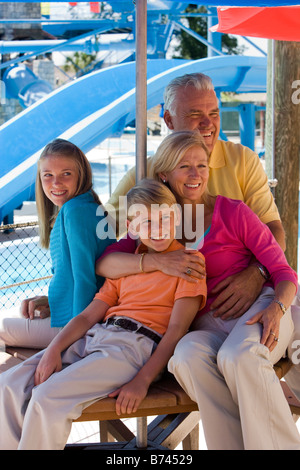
(260, 42)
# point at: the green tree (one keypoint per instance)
(81, 63)
(190, 48)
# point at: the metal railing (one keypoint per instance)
(25, 267)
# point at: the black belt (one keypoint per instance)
(130, 325)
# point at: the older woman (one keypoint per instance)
(227, 365)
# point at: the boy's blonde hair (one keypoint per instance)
(46, 210)
(149, 191)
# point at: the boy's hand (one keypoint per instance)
(50, 363)
(129, 396)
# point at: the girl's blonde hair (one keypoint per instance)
(46, 210)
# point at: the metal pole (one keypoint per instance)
(215, 39)
(141, 432)
(273, 110)
(141, 89)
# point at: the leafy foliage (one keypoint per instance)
(190, 48)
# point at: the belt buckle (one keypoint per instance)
(126, 324)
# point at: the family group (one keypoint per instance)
(199, 285)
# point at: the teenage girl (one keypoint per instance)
(69, 211)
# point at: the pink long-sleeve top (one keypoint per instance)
(236, 235)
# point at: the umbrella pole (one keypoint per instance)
(270, 118)
(273, 109)
(141, 89)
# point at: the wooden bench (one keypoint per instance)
(177, 416)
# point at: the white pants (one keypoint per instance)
(18, 331)
(225, 369)
(40, 417)
(292, 378)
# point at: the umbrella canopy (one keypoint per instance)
(282, 23)
(246, 3)
(241, 3)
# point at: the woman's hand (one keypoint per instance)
(129, 396)
(37, 307)
(270, 319)
(187, 264)
(50, 363)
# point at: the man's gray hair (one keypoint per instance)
(197, 80)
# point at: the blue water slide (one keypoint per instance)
(100, 105)
(22, 84)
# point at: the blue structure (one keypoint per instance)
(22, 84)
(102, 103)
(163, 20)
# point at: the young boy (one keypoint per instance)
(117, 346)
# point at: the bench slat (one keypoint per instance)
(165, 397)
(7, 361)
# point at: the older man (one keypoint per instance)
(235, 171)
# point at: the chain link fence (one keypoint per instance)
(25, 268)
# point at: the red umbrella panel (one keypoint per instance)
(281, 23)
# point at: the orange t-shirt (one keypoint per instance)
(149, 297)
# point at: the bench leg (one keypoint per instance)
(191, 441)
(141, 432)
(170, 430)
(105, 435)
(114, 429)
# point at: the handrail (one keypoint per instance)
(20, 225)
(25, 282)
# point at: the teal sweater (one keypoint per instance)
(74, 248)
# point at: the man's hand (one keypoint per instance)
(237, 293)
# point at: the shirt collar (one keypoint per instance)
(217, 159)
(175, 245)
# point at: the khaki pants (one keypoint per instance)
(40, 418)
(225, 369)
(18, 331)
(292, 378)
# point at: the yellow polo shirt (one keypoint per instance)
(235, 172)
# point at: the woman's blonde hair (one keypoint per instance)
(46, 210)
(171, 151)
(173, 148)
